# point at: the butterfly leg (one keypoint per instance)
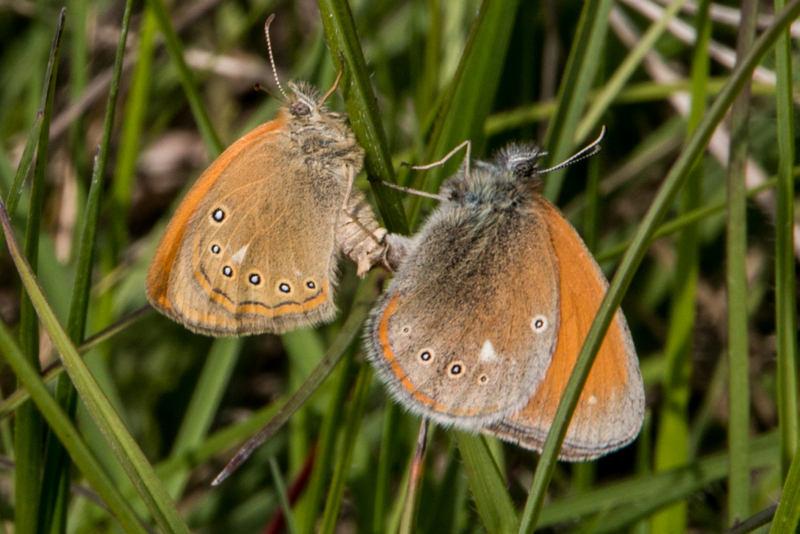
(360, 237)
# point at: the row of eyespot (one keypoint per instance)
(456, 368)
(218, 215)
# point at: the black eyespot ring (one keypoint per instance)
(218, 215)
(483, 379)
(227, 271)
(300, 109)
(311, 285)
(254, 279)
(539, 323)
(456, 368)
(215, 249)
(283, 287)
(406, 330)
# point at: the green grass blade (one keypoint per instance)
(787, 516)
(611, 89)
(578, 78)
(487, 485)
(308, 509)
(390, 419)
(175, 48)
(56, 479)
(125, 448)
(333, 355)
(132, 125)
(280, 488)
(672, 445)
(633, 257)
(467, 104)
(359, 98)
(736, 285)
(628, 501)
(24, 167)
(785, 283)
(343, 461)
(204, 403)
(68, 435)
(28, 422)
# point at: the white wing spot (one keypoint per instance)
(539, 324)
(592, 400)
(487, 352)
(239, 256)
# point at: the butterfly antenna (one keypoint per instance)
(271, 58)
(335, 83)
(586, 152)
(444, 160)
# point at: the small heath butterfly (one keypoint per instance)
(491, 301)
(254, 245)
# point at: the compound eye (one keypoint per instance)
(301, 109)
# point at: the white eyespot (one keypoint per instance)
(592, 400)
(218, 215)
(239, 256)
(255, 279)
(425, 356)
(215, 249)
(456, 369)
(284, 287)
(539, 324)
(310, 284)
(227, 271)
(487, 352)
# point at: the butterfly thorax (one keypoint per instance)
(486, 190)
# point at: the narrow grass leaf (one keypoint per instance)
(125, 448)
(736, 287)
(280, 488)
(175, 48)
(611, 89)
(785, 283)
(349, 434)
(332, 357)
(56, 479)
(787, 516)
(204, 404)
(28, 421)
(68, 435)
(635, 253)
(487, 485)
(340, 31)
(584, 58)
(672, 444)
(628, 501)
(467, 102)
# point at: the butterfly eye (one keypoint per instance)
(539, 324)
(215, 249)
(456, 369)
(301, 109)
(218, 215)
(425, 356)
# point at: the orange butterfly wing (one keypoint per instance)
(611, 407)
